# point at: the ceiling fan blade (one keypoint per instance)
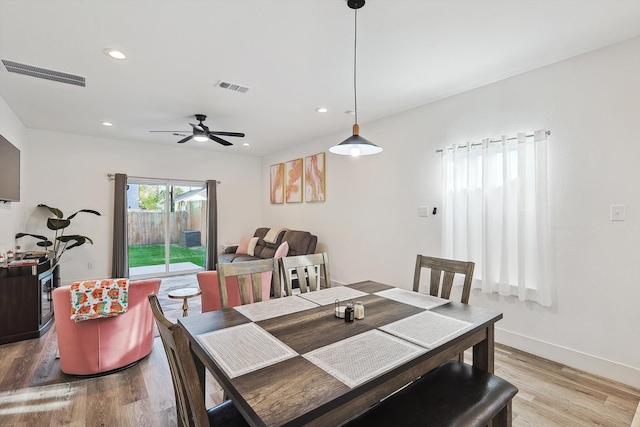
(197, 127)
(219, 140)
(238, 134)
(182, 141)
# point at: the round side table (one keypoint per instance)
(185, 294)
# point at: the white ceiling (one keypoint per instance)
(295, 55)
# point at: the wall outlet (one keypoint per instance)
(423, 211)
(617, 213)
(90, 265)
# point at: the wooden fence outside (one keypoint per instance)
(147, 227)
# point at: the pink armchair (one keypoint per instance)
(102, 345)
(208, 282)
(210, 297)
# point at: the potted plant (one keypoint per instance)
(61, 242)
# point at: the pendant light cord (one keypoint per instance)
(355, 62)
(355, 145)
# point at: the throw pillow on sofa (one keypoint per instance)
(282, 250)
(251, 250)
(243, 246)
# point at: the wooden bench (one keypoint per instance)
(453, 394)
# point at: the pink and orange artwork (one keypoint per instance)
(314, 178)
(276, 189)
(293, 175)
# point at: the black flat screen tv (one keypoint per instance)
(9, 171)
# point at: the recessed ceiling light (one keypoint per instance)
(107, 124)
(246, 144)
(114, 53)
(321, 110)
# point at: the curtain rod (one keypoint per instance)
(112, 176)
(492, 141)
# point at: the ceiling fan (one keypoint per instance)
(202, 133)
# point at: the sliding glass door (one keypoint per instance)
(166, 227)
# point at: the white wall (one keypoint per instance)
(591, 103)
(70, 172)
(12, 213)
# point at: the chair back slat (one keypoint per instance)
(434, 284)
(250, 279)
(186, 383)
(313, 280)
(447, 284)
(309, 270)
(450, 268)
(245, 285)
(256, 280)
(301, 272)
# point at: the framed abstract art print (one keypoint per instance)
(314, 178)
(276, 188)
(293, 181)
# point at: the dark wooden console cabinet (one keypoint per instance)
(26, 308)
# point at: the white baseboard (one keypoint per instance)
(575, 359)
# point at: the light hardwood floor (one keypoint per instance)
(551, 394)
(34, 392)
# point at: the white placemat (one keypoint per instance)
(412, 298)
(358, 359)
(274, 307)
(427, 329)
(330, 295)
(244, 348)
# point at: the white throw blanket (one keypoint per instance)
(272, 234)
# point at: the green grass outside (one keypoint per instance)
(140, 256)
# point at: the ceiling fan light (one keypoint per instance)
(201, 138)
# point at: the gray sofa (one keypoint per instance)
(300, 243)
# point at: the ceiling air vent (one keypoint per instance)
(42, 73)
(232, 86)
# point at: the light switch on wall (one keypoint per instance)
(617, 212)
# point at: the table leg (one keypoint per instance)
(483, 352)
(185, 307)
(201, 373)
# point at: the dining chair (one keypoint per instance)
(453, 394)
(187, 388)
(254, 280)
(450, 268)
(308, 269)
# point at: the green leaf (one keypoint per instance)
(65, 239)
(37, 236)
(79, 240)
(85, 210)
(57, 224)
(57, 212)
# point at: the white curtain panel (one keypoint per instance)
(495, 213)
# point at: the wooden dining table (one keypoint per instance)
(291, 361)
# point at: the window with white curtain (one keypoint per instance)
(495, 213)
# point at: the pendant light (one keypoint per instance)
(355, 145)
